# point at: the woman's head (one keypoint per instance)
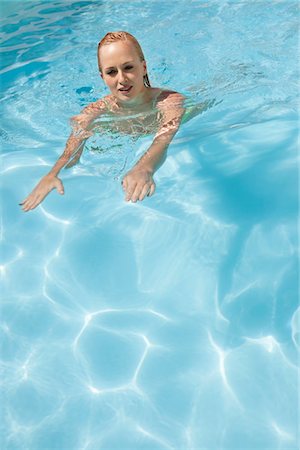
(122, 64)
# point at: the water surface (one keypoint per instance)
(172, 323)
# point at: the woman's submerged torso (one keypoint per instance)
(113, 129)
(145, 119)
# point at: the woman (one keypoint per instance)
(123, 69)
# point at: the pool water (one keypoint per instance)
(172, 323)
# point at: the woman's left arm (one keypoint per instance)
(138, 182)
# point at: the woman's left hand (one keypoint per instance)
(138, 183)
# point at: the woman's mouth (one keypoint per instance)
(125, 90)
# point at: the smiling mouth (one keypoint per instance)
(125, 90)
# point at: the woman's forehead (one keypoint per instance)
(117, 53)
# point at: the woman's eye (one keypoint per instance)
(111, 72)
(129, 67)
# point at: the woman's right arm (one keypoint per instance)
(51, 181)
(72, 151)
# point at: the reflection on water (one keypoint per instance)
(107, 153)
(172, 323)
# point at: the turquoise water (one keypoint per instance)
(172, 323)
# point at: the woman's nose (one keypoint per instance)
(122, 77)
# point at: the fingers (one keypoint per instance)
(151, 190)
(136, 192)
(59, 186)
(31, 202)
(128, 187)
(147, 190)
(40, 192)
(130, 191)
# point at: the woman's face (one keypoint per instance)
(122, 70)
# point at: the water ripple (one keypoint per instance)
(171, 323)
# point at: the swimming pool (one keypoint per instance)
(172, 323)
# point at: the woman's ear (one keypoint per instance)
(145, 67)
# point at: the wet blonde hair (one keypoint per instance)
(116, 36)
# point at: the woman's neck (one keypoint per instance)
(141, 102)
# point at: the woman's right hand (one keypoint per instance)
(42, 189)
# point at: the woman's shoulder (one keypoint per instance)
(168, 96)
(96, 106)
